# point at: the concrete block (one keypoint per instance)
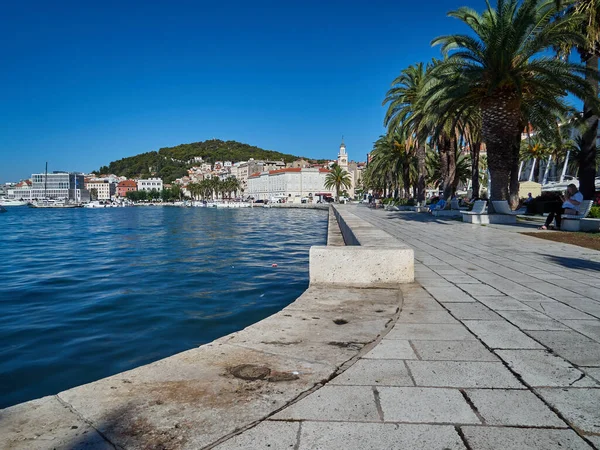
(377, 436)
(375, 372)
(500, 334)
(568, 224)
(494, 438)
(391, 349)
(266, 435)
(541, 368)
(361, 266)
(414, 404)
(589, 225)
(578, 406)
(354, 403)
(453, 351)
(513, 407)
(461, 374)
(430, 332)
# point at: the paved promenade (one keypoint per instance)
(497, 347)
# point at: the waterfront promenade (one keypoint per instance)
(497, 346)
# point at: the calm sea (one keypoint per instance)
(87, 293)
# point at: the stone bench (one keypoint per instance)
(589, 225)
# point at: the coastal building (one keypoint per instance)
(101, 189)
(291, 184)
(59, 185)
(20, 191)
(126, 186)
(150, 184)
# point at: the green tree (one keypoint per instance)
(503, 70)
(338, 178)
(93, 194)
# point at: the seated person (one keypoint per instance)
(570, 206)
(441, 204)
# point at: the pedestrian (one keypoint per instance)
(570, 206)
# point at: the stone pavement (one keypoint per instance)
(497, 347)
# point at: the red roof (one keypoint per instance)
(127, 183)
(322, 170)
(289, 169)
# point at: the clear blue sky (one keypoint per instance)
(83, 84)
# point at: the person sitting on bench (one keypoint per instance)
(571, 201)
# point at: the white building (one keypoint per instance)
(58, 185)
(104, 189)
(291, 184)
(150, 184)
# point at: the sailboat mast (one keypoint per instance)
(46, 182)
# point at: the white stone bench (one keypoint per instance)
(589, 225)
(573, 223)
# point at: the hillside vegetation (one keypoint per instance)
(170, 163)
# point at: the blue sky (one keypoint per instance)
(83, 84)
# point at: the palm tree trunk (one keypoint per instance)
(501, 114)
(443, 146)
(587, 158)
(475, 151)
(422, 180)
(452, 176)
(514, 171)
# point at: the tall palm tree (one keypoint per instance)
(338, 178)
(588, 52)
(405, 113)
(502, 70)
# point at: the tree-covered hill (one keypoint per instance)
(170, 163)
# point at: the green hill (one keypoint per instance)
(170, 163)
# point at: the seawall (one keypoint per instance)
(201, 397)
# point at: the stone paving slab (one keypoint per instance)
(500, 334)
(432, 332)
(472, 311)
(579, 406)
(462, 374)
(503, 303)
(589, 328)
(450, 294)
(45, 424)
(414, 404)
(453, 351)
(378, 436)
(491, 438)
(420, 316)
(479, 289)
(266, 435)
(541, 368)
(340, 403)
(375, 372)
(558, 310)
(532, 320)
(392, 349)
(513, 407)
(572, 346)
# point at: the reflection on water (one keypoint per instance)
(88, 293)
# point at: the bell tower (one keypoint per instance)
(342, 156)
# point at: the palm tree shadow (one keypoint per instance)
(574, 263)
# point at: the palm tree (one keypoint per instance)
(588, 53)
(405, 113)
(338, 178)
(502, 70)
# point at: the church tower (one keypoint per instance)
(342, 156)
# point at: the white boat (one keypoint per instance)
(53, 204)
(555, 186)
(8, 202)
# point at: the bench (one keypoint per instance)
(479, 215)
(573, 223)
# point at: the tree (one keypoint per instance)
(588, 51)
(405, 112)
(94, 194)
(338, 178)
(502, 70)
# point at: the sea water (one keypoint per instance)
(87, 293)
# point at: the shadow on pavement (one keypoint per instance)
(575, 263)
